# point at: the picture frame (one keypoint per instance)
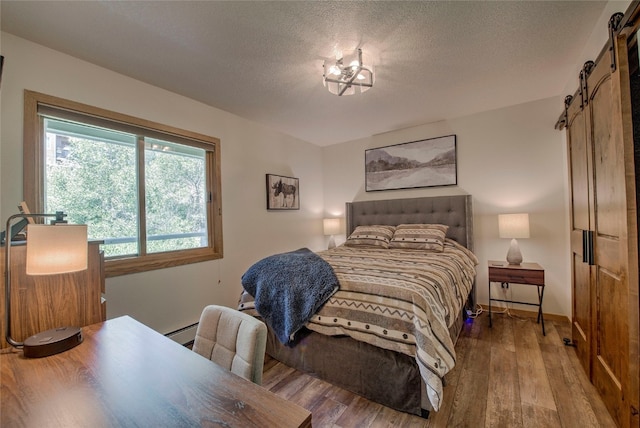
(283, 193)
(424, 163)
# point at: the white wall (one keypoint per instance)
(510, 160)
(171, 298)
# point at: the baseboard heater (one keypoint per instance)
(185, 335)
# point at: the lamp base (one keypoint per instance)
(514, 256)
(52, 342)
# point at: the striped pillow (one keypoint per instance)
(420, 237)
(370, 236)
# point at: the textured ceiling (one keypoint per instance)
(263, 60)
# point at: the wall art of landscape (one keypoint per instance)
(418, 164)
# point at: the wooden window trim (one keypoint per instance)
(33, 181)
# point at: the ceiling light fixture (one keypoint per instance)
(341, 79)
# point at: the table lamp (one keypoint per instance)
(331, 227)
(513, 226)
(51, 249)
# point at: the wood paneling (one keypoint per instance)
(40, 303)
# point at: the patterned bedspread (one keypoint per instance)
(403, 300)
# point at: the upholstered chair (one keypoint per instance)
(233, 340)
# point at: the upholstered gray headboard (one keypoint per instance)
(454, 211)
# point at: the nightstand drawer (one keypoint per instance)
(518, 276)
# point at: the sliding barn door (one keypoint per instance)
(604, 229)
(610, 302)
(580, 171)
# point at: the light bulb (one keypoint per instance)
(360, 77)
(334, 70)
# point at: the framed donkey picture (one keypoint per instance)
(283, 193)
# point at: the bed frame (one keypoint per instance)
(386, 377)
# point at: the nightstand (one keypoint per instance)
(524, 273)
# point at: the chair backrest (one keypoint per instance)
(233, 340)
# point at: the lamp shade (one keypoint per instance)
(56, 249)
(513, 225)
(331, 226)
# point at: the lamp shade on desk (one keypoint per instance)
(56, 249)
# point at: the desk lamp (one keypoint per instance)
(331, 227)
(51, 249)
(513, 226)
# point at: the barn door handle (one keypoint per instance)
(590, 248)
(588, 254)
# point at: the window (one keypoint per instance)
(149, 192)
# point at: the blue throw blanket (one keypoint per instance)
(289, 289)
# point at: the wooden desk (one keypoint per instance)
(126, 374)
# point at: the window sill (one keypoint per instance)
(125, 266)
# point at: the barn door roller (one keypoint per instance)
(614, 26)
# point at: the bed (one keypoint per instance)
(373, 355)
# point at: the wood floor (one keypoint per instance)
(506, 376)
